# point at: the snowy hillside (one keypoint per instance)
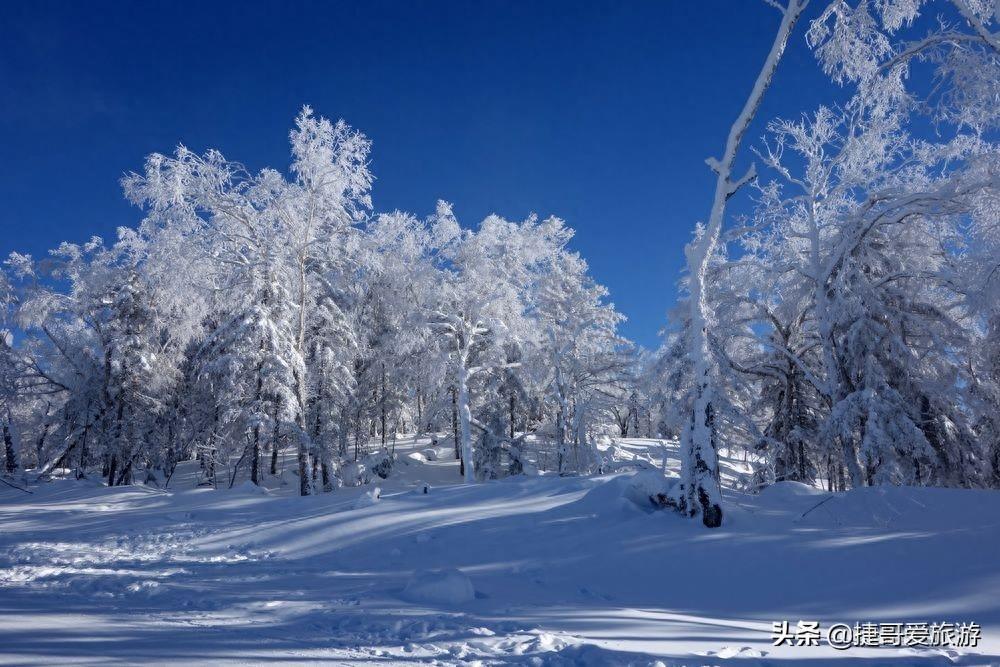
(528, 570)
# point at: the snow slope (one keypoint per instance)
(535, 570)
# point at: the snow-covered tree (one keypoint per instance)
(699, 491)
(585, 354)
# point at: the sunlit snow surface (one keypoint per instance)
(565, 571)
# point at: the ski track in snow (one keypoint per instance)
(565, 571)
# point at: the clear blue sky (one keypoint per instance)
(599, 112)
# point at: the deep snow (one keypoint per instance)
(533, 570)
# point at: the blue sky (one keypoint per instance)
(599, 112)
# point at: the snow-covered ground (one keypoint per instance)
(534, 570)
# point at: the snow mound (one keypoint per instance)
(249, 487)
(625, 495)
(438, 453)
(378, 464)
(646, 489)
(353, 474)
(727, 652)
(445, 586)
(788, 491)
(368, 498)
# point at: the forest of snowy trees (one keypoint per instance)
(250, 313)
(845, 331)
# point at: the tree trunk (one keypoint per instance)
(302, 451)
(255, 457)
(327, 478)
(419, 426)
(465, 425)
(112, 470)
(382, 406)
(560, 440)
(300, 381)
(10, 453)
(357, 434)
(454, 430)
(561, 415)
(699, 473)
(343, 433)
(512, 400)
(40, 444)
(118, 437)
(303, 459)
(81, 470)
